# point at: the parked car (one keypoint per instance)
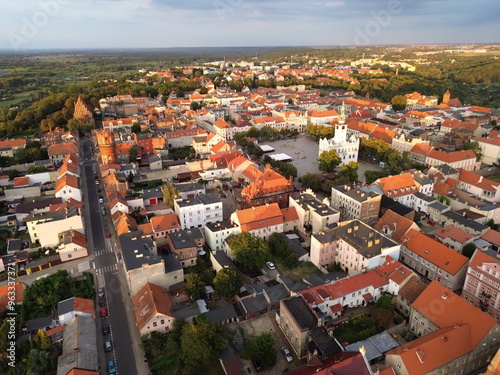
(104, 312)
(103, 211)
(97, 182)
(287, 354)
(102, 301)
(270, 265)
(111, 367)
(108, 235)
(106, 329)
(100, 292)
(256, 364)
(108, 346)
(101, 199)
(431, 222)
(255, 274)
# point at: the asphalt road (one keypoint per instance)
(108, 271)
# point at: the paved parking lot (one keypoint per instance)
(304, 151)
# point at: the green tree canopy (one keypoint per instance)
(228, 282)
(349, 171)
(262, 346)
(311, 181)
(469, 250)
(250, 251)
(195, 286)
(329, 160)
(383, 317)
(202, 343)
(385, 302)
(169, 194)
(398, 102)
(475, 147)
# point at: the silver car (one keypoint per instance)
(287, 354)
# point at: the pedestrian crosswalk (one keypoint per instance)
(98, 252)
(106, 269)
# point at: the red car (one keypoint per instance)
(108, 235)
(430, 222)
(104, 312)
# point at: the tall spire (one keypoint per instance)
(342, 115)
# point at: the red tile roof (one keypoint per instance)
(492, 236)
(150, 301)
(454, 233)
(67, 180)
(452, 157)
(165, 222)
(394, 223)
(433, 251)
(477, 180)
(21, 181)
(445, 309)
(399, 185)
(259, 217)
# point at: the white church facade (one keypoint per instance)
(346, 147)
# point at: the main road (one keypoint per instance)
(110, 275)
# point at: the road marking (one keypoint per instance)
(104, 269)
(84, 266)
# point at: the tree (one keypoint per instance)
(469, 250)
(311, 181)
(475, 147)
(132, 154)
(136, 128)
(228, 282)
(202, 343)
(78, 125)
(329, 160)
(385, 302)
(383, 317)
(491, 223)
(349, 171)
(250, 251)
(262, 346)
(277, 244)
(239, 339)
(195, 286)
(42, 340)
(36, 169)
(398, 102)
(169, 194)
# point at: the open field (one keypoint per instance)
(18, 98)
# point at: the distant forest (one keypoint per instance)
(38, 89)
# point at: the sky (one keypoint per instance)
(74, 24)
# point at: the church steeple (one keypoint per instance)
(340, 136)
(342, 114)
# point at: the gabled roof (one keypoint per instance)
(165, 222)
(21, 181)
(18, 294)
(421, 149)
(492, 236)
(62, 149)
(222, 124)
(479, 258)
(454, 233)
(453, 310)
(399, 185)
(431, 351)
(433, 251)
(412, 289)
(452, 157)
(150, 301)
(10, 143)
(259, 217)
(219, 147)
(477, 180)
(397, 224)
(289, 214)
(65, 181)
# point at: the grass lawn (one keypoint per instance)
(18, 98)
(346, 333)
(296, 274)
(494, 177)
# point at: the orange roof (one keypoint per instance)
(476, 108)
(222, 124)
(421, 149)
(492, 141)
(480, 258)
(457, 124)
(126, 223)
(184, 133)
(78, 238)
(21, 181)
(9, 143)
(268, 181)
(477, 180)
(362, 127)
(395, 186)
(77, 371)
(67, 180)
(219, 146)
(452, 157)
(252, 172)
(84, 305)
(261, 216)
(445, 308)
(122, 148)
(236, 162)
(165, 222)
(146, 228)
(492, 236)
(442, 188)
(394, 223)
(454, 233)
(62, 149)
(431, 351)
(321, 114)
(150, 301)
(383, 134)
(289, 214)
(416, 114)
(433, 251)
(18, 296)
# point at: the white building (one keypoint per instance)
(347, 148)
(216, 233)
(312, 213)
(198, 211)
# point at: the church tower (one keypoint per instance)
(106, 144)
(83, 112)
(446, 97)
(340, 136)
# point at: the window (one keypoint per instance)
(162, 322)
(154, 324)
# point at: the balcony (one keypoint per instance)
(486, 294)
(483, 305)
